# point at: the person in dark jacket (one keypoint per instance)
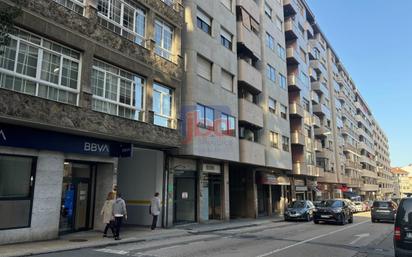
(119, 214)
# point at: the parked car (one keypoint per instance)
(300, 210)
(359, 207)
(318, 203)
(383, 210)
(336, 211)
(351, 205)
(403, 229)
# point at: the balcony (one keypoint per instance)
(299, 168)
(249, 75)
(251, 152)
(341, 96)
(318, 146)
(294, 83)
(292, 56)
(250, 6)
(290, 7)
(386, 190)
(309, 29)
(325, 154)
(322, 131)
(344, 180)
(328, 177)
(318, 66)
(350, 148)
(313, 75)
(368, 173)
(355, 182)
(369, 188)
(248, 39)
(316, 121)
(352, 165)
(296, 110)
(297, 138)
(320, 87)
(291, 30)
(250, 113)
(321, 110)
(368, 160)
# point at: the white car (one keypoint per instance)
(358, 206)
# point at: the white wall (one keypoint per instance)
(138, 179)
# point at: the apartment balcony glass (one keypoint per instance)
(251, 7)
(291, 29)
(248, 39)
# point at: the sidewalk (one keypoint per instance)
(92, 239)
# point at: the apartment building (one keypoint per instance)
(402, 182)
(383, 165)
(89, 93)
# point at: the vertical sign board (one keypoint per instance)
(17, 136)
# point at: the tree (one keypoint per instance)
(7, 17)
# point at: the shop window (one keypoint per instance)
(16, 191)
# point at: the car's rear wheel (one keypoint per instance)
(351, 219)
(342, 220)
(308, 217)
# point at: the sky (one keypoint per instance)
(373, 38)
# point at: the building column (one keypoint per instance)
(251, 195)
(225, 192)
(270, 207)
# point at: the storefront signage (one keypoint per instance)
(211, 168)
(301, 188)
(270, 179)
(17, 136)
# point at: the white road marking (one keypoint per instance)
(311, 239)
(359, 237)
(112, 251)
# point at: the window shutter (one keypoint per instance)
(227, 80)
(204, 17)
(204, 68)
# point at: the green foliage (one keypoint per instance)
(7, 17)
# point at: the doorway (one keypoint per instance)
(263, 199)
(215, 191)
(76, 199)
(185, 197)
(276, 199)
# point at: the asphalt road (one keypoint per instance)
(282, 239)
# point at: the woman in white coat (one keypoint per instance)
(155, 209)
(107, 214)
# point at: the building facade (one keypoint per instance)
(402, 182)
(85, 85)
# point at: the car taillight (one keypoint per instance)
(397, 234)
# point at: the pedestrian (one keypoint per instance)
(107, 213)
(119, 213)
(155, 209)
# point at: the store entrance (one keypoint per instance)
(185, 197)
(263, 198)
(215, 185)
(76, 200)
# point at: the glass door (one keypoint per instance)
(185, 198)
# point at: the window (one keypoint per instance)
(281, 52)
(227, 4)
(248, 21)
(204, 22)
(204, 68)
(163, 39)
(162, 105)
(284, 111)
(282, 81)
(205, 117)
(271, 73)
(226, 39)
(16, 190)
(124, 19)
(228, 125)
(285, 144)
(227, 80)
(74, 5)
(279, 23)
(306, 104)
(303, 55)
(270, 41)
(268, 10)
(272, 105)
(301, 29)
(116, 91)
(168, 2)
(40, 67)
(274, 139)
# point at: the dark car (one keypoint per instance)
(336, 211)
(300, 210)
(403, 229)
(383, 210)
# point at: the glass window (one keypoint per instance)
(274, 139)
(162, 105)
(279, 23)
(285, 144)
(226, 39)
(268, 10)
(74, 5)
(58, 66)
(272, 105)
(271, 73)
(281, 52)
(116, 91)
(227, 81)
(282, 81)
(205, 117)
(204, 68)
(16, 187)
(204, 22)
(125, 19)
(284, 111)
(270, 41)
(163, 39)
(228, 125)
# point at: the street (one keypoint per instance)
(280, 239)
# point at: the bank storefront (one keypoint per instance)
(52, 182)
